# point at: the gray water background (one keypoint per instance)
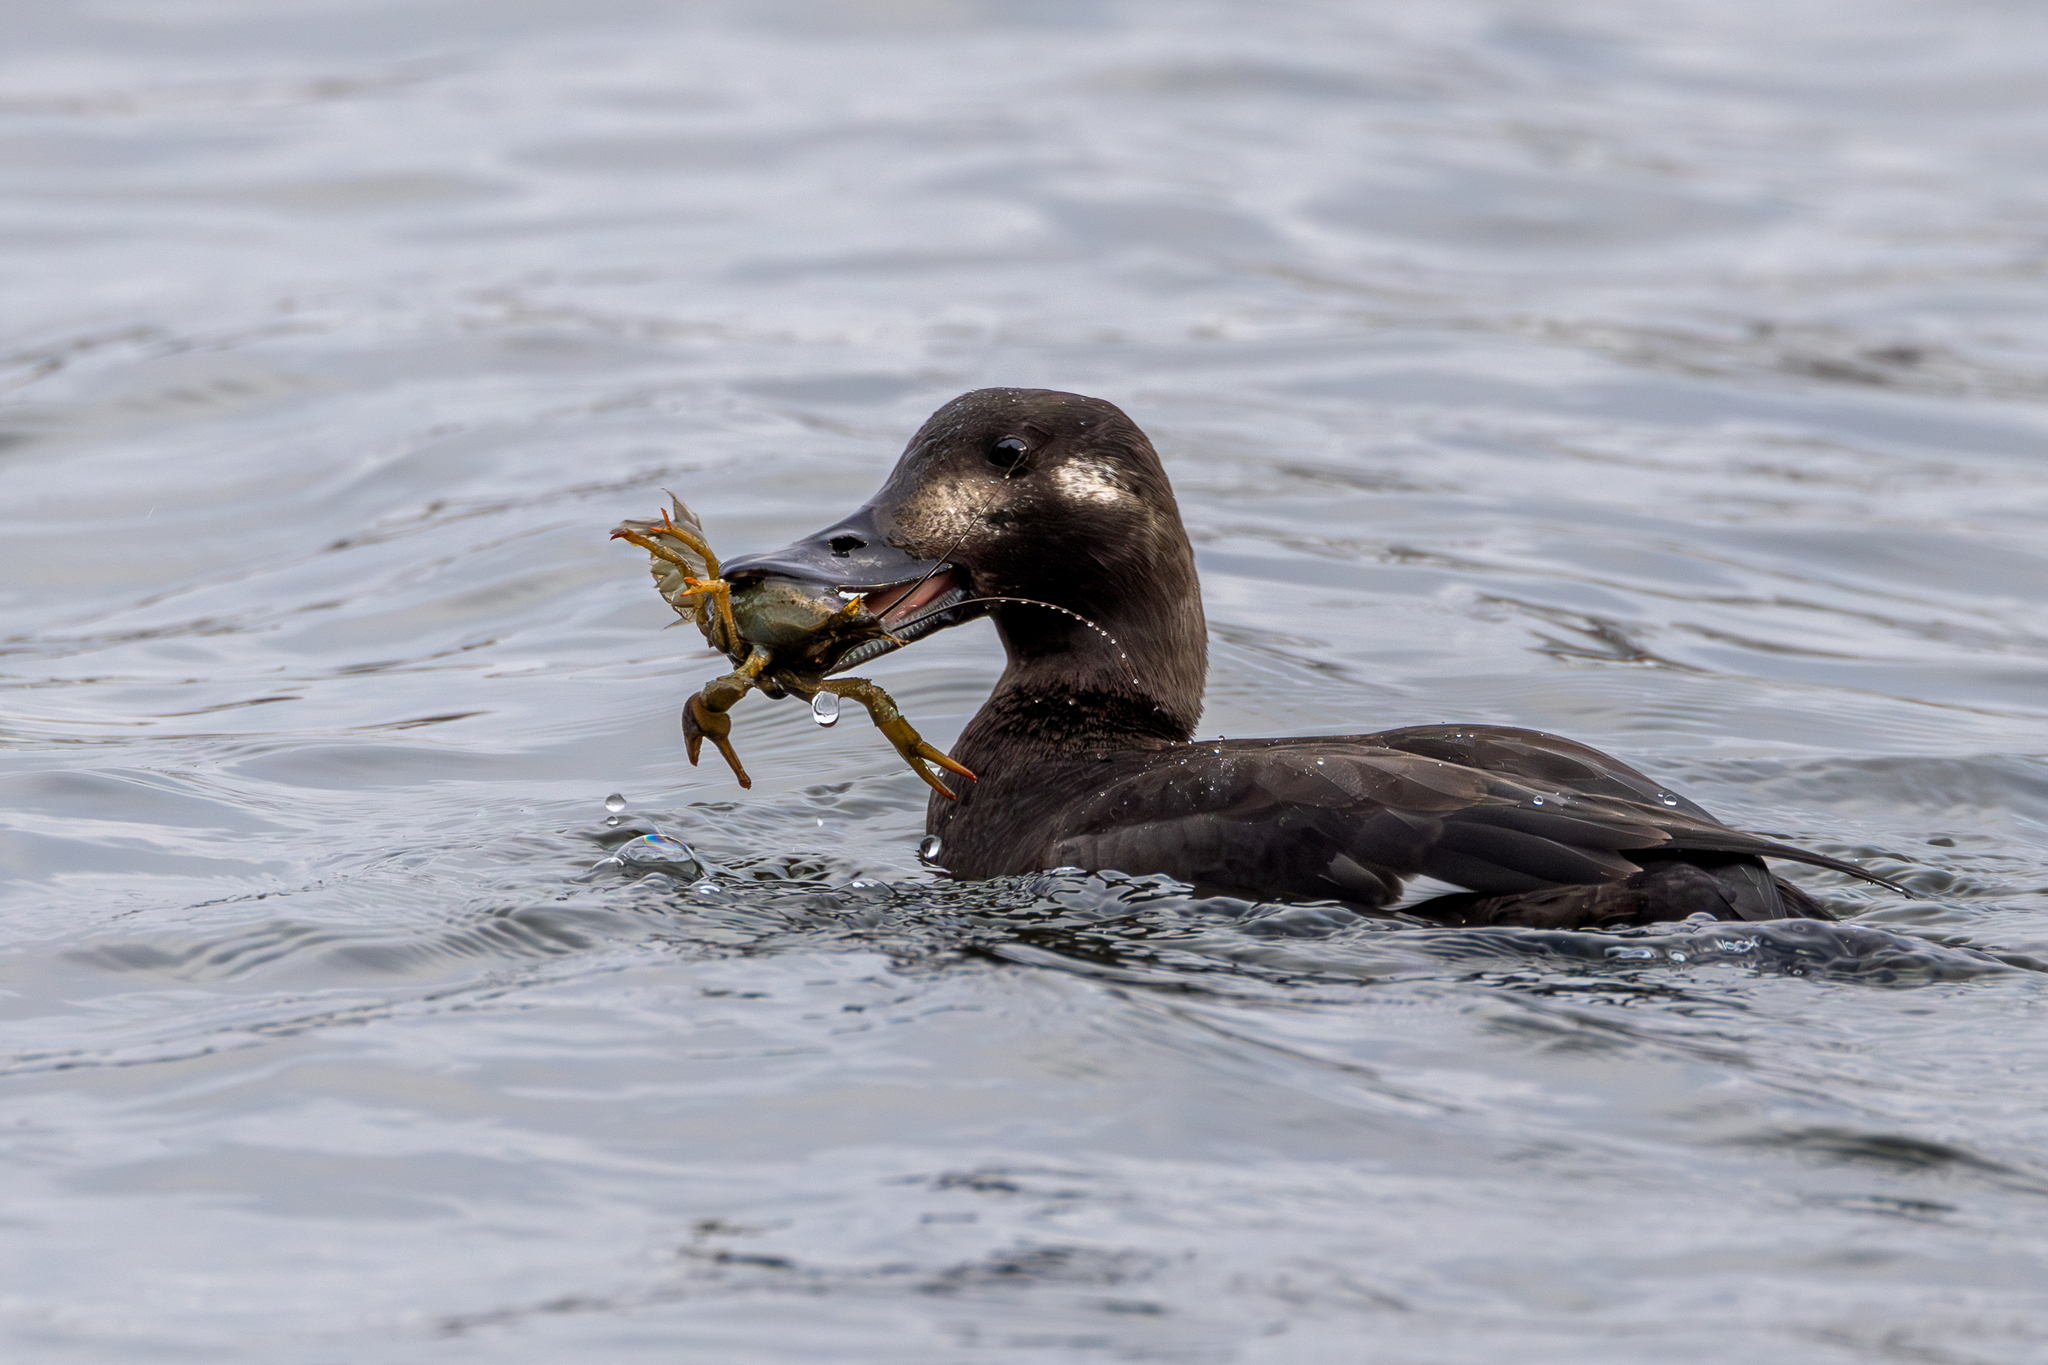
(1668, 374)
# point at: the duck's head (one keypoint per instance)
(1027, 494)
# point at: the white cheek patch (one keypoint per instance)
(1088, 479)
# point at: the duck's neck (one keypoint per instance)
(1131, 679)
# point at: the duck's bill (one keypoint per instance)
(910, 597)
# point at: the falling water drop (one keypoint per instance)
(825, 709)
(928, 849)
(611, 820)
(615, 803)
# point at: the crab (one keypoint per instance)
(784, 636)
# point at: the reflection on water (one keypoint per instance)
(381, 983)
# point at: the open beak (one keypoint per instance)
(911, 597)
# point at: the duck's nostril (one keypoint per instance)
(846, 545)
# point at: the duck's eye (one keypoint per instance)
(1005, 454)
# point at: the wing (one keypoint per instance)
(1493, 810)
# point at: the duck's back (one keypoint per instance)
(1536, 828)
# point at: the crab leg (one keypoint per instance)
(714, 587)
(909, 744)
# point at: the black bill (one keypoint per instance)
(911, 597)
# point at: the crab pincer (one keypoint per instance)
(704, 713)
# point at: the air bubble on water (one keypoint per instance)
(615, 803)
(1678, 957)
(928, 848)
(1667, 798)
(825, 709)
(611, 820)
(1632, 954)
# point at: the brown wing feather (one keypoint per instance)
(1495, 810)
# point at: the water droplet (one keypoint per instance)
(1537, 800)
(615, 803)
(1678, 957)
(825, 709)
(1667, 798)
(611, 819)
(928, 848)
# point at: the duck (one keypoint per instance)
(1051, 514)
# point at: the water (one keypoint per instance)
(825, 709)
(1667, 375)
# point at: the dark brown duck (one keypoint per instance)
(1050, 513)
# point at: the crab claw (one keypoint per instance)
(700, 722)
